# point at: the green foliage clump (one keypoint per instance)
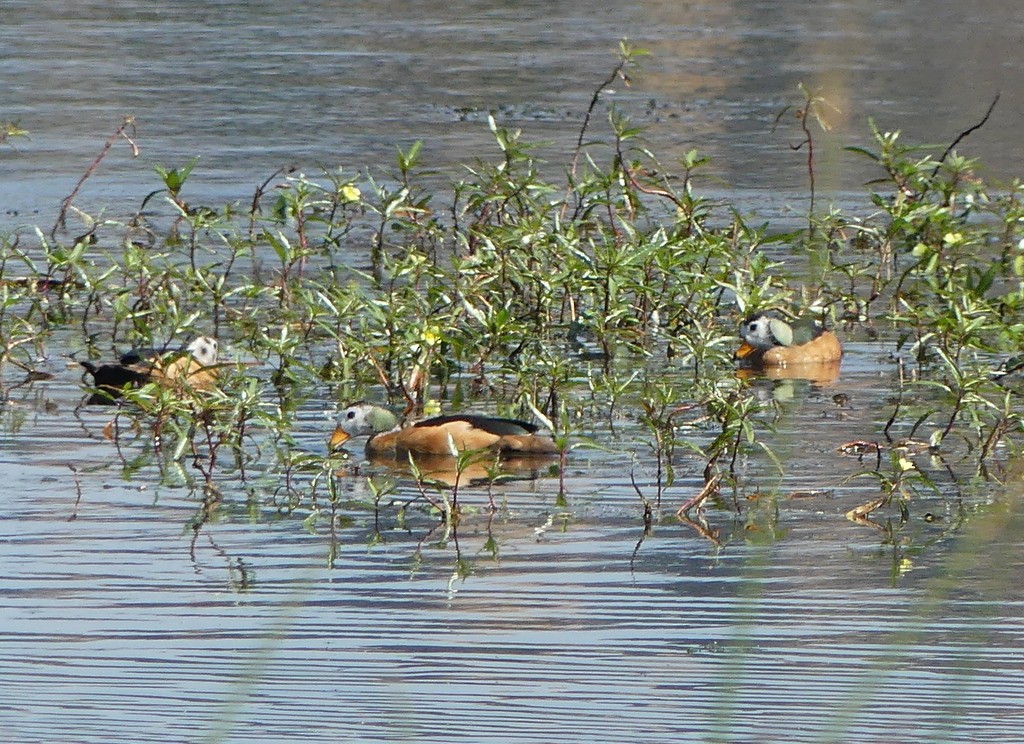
(615, 286)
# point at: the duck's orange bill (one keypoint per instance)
(339, 437)
(744, 351)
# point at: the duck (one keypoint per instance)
(193, 367)
(438, 435)
(769, 341)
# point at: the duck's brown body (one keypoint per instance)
(439, 435)
(187, 371)
(825, 349)
(771, 342)
(431, 437)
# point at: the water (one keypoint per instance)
(560, 623)
(253, 87)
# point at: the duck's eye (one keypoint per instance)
(753, 326)
(350, 415)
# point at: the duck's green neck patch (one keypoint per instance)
(382, 420)
(781, 332)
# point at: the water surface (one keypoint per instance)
(560, 623)
(253, 87)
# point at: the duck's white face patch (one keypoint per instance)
(360, 419)
(757, 332)
(355, 420)
(204, 350)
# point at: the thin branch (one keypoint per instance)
(127, 124)
(616, 72)
(968, 131)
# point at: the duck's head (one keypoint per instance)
(361, 419)
(761, 332)
(204, 350)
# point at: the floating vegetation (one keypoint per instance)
(611, 294)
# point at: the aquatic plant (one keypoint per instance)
(612, 291)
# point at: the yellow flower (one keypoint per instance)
(431, 335)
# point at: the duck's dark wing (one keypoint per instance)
(136, 356)
(149, 356)
(806, 330)
(501, 427)
(111, 379)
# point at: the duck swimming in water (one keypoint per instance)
(437, 436)
(769, 341)
(194, 367)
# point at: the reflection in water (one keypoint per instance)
(249, 90)
(473, 471)
(820, 374)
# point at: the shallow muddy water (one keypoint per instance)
(544, 620)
